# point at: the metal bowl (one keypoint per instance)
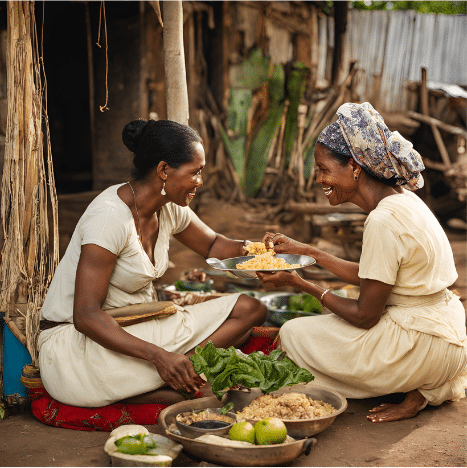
(256, 455)
(212, 414)
(297, 428)
(277, 314)
(229, 265)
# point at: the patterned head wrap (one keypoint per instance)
(373, 146)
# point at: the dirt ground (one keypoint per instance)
(437, 436)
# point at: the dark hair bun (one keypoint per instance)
(131, 133)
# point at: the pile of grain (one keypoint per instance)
(286, 406)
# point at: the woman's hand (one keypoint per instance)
(178, 372)
(285, 245)
(278, 278)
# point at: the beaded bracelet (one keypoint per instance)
(322, 296)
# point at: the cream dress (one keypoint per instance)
(75, 369)
(420, 341)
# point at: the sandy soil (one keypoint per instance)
(436, 437)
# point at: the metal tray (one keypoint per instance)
(257, 455)
(229, 265)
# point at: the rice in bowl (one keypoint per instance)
(287, 406)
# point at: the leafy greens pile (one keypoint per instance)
(223, 368)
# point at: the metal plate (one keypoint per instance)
(256, 455)
(229, 265)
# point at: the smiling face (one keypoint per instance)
(181, 183)
(336, 178)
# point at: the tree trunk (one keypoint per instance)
(174, 61)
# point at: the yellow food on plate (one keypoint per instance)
(285, 406)
(266, 261)
(256, 248)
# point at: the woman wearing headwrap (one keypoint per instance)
(406, 332)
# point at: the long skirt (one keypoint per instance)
(420, 347)
(77, 371)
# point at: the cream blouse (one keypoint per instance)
(109, 223)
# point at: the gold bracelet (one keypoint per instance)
(322, 296)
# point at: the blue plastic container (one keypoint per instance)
(15, 357)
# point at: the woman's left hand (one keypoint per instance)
(278, 278)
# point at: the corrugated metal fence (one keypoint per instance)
(391, 47)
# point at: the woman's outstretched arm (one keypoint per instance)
(345, 270)
(365, 312)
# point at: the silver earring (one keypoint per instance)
(163, 192)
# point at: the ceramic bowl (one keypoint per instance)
(213, 417)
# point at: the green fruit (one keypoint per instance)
(243, 431)
(119, 441)
(149, 442)
(131, 446)
(295, 302)
(311, 304)
(270, 431)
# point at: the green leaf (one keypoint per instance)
(252, 72)
(261, 144)
(226, 408)
(259, 152)
(237, 117)
(296, 84)
(255, 370)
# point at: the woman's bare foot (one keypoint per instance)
(414, 401)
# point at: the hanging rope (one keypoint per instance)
(102, 13)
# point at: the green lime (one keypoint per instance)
(311, 304)
(243, 431)
(270, 431)
(149, 442)
(119, 441)
(295, 303)
(131, 446)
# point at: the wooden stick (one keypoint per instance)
(424, 105)
(442, 125)
(441, 146)
(16, 331)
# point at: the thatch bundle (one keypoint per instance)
(27, 261)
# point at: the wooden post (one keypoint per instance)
(340, 26)
(424, 105)
(174, 61)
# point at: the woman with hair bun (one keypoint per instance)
(406, 332)
(119, 247)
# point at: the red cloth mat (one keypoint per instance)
(107, 418)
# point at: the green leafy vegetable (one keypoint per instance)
(223, 368)
(226, 408)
